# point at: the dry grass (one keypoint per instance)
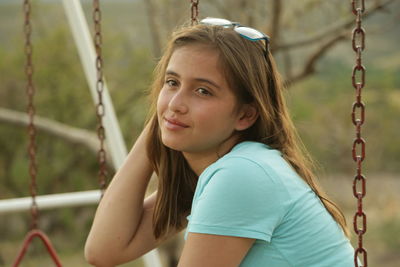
(381, 205)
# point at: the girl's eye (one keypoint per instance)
(171, 83)
(203, 91)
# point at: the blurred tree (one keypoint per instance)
(284, 16)
(306, 39)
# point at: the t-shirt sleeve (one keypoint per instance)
(239, 199)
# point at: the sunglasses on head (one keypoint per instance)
(246, 32)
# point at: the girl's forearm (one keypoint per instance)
(119, 212)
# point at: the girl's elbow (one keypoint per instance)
(97, 257)
(89, 256)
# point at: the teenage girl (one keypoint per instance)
(231, 168)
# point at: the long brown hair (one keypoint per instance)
(253, 79)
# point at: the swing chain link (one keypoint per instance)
(358, 119)
(194, 11)
(30, 90)
(100, 109)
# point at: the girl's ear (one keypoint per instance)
(247, 117)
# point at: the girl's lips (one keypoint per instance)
(175, 123)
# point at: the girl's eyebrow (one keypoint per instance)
(173, 73)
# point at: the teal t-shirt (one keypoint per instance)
(253, 192)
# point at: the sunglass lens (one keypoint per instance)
(216, 21)
(250, 33)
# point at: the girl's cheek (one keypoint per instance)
(162, 101)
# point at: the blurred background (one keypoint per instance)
(312, 46)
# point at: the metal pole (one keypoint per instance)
(50, 201)
(84, 44)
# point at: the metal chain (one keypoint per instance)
(194, 11)
(100, 109)
(358, 118)
(30, 90)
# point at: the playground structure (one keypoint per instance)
(117, 148)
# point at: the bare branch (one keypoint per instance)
(154, 30)
(300, 10)
(333, 31)
(275, 22)
(68, 133)
(222, 9)
(251, 15)
(287, 64)
(309, 66)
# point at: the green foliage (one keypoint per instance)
(388, 231)
(320, 107)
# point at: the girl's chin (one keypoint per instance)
(172, 145)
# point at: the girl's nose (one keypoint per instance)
(178, 102)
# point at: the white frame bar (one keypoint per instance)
(87, 54)
(50, 201)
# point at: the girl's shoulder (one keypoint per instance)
(254, 155)
(253, 160)
(259, 164)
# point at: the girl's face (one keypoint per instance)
(196, 109)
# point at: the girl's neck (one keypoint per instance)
(200, 161)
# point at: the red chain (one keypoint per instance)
(358, 118)
(32, 148)
(30, 90)
(194, 11)
(100, 109)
